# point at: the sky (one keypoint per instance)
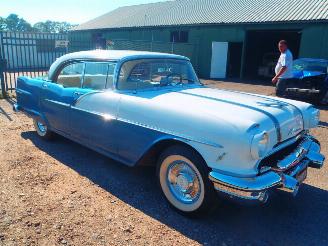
(72, 11)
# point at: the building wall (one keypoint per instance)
(313, 42)
(199, 48)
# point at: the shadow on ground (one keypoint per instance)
(283, 221)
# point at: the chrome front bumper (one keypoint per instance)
(287, 174)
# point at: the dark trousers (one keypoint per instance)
(281, 86)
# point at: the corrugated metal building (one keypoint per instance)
(223, 38)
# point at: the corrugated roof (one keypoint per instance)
(188, 12)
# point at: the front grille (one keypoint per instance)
(272, 160)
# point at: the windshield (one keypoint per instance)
(156, 73)
(317, 66)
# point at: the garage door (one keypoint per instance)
(219, 60)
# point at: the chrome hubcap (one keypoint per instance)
(42, 127)
(183, 182)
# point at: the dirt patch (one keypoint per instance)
(60, 193)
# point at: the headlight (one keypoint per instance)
(299, 121)
(259, 145)
(314, 117)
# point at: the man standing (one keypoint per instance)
(284, 68)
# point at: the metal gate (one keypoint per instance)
(28, 54)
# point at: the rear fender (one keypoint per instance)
(28, 93)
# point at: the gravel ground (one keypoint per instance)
(60, 193)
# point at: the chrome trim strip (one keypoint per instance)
(21, 91)
(77, 100)
(259, 183)
(175, 134)
(105, 116)
(257, 196)
(57, 102)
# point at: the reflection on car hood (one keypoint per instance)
(237, 108)
(305, 73)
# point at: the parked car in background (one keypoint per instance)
(150, 108)
(310, 81)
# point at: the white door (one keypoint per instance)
(219, 60)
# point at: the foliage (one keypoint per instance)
(14, 23)
(2, 23)
(52, 26)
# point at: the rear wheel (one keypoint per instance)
(183, 178)
(42, 130)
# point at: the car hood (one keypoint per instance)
(305, 73)
(282, 118)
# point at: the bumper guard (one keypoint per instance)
(287, 175)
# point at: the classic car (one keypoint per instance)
(144, 108)
(309, 82)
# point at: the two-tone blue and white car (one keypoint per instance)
(150, 108)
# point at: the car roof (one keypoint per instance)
(116, 55)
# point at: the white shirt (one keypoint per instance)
(285, 60)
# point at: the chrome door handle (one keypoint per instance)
(78, 93)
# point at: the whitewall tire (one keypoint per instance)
(42, 130)
(183, 179)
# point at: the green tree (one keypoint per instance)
(52, 26)
(14, 23)
(42, 27)
(2, 24)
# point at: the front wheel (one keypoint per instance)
(42, 130)
(183, 178)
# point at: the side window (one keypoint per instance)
(71, 75)
(98, 75)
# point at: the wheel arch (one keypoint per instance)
(150, 157)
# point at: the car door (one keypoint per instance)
(93, 115)
(59, 95)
